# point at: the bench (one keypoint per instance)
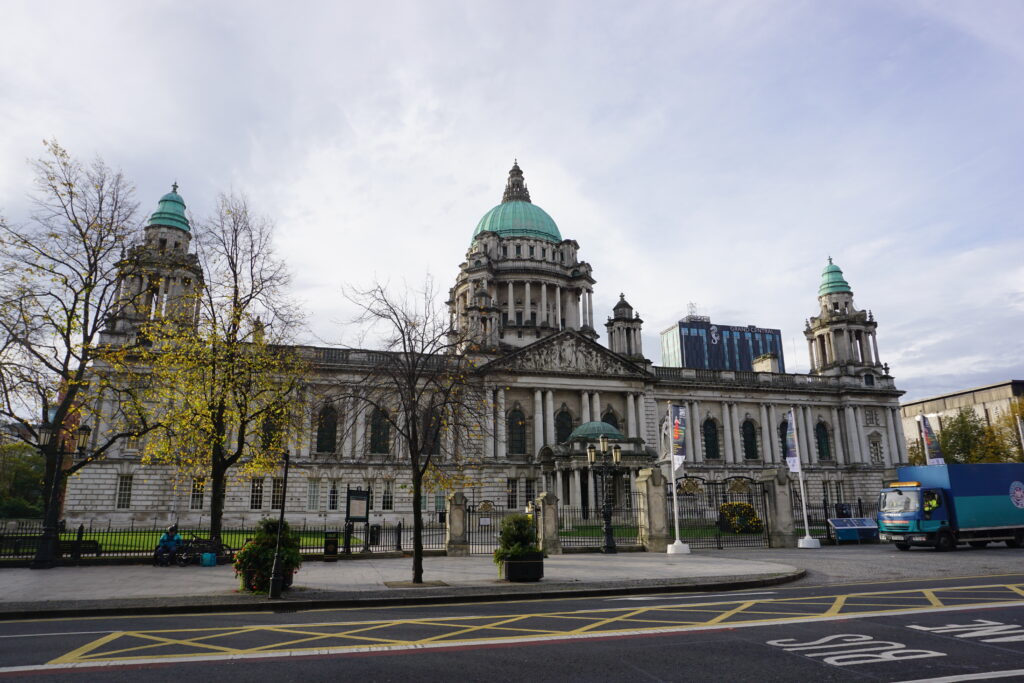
(25, 545)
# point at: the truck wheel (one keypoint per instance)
(902, 546)
(978, 544)
(944, 542)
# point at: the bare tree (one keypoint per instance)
(58, 275)
(422, 384)
(223, 385)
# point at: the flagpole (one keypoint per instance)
(1020, 430)
(677, 547)
(807, 541)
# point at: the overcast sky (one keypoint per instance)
(711, 152)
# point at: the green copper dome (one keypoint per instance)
(517, 216)
(832, 280)
(594, 430)
(171, 211)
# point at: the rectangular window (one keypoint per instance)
(439, 501)
(333, 495)
(531, 251)
(531, 493)
(256, 494)
(871, 417)
(277, 494)
(387, 499)
(312, 494)
(875, 449)
(198, 489)
(124, 491)
(512, 486)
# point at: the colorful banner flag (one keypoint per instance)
(677, 425)
(792, 452)
(932, 450)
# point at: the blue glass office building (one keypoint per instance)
(696, 342)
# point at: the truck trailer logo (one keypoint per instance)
(1017, 494)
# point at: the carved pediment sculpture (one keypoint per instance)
(568, 353)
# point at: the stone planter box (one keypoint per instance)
(530, 567)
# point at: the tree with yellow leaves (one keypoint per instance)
(223, 384)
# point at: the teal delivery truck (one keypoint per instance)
(942, 506)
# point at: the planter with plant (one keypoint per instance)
(518, 556)
(255, 561)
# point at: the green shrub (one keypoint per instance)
(740, 518)
(517, 538)
(255, 561)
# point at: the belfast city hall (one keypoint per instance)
(556, 377)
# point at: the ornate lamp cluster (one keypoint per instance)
(607, 466)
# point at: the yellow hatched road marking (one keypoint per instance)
(472, 629)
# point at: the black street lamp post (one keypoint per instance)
(606, 468)
(277, 573)
(47, 552)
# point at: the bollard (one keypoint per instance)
(398, 536)
(366, 537)
(348, 538)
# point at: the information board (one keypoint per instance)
(357, 506)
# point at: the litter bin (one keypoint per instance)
(330, 546)
(375, 534)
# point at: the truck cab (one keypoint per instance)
(911, 514)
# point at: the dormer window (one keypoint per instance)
(518, 250)
(504, 251)
(531, 251)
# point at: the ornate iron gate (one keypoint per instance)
(483, 524)
(721, 514)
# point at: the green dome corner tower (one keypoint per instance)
(521, 281)
(841, 340)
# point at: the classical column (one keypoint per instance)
(853, 436)
(544, 317)
(641, 416)
(630, 416)
(360, 445)
(638, 347)
(585, 406)
(527, 304)
(549, 417)
(810, 353)
(902, 445)
(560, 489)
(727, 429)
(766, 441)
(737, 434)
(511, 305)
(489, 426)
(578, 303)
(596, 407)
(890, 432)
(694, 432)
(558, 307)
(590, 308)
(773, 434)
(538, 421)
(502, 427)
(346, 430)
(874, 348)
(862, 436)
(577, 495)
(837, 436)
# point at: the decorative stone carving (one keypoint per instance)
(569, 353)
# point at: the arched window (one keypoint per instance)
(609, 418)
(327, 430)
(710, 430)
(431, 429)
(821, 437)
(749, 440)
(380, 432)
(783, 428)
(516, 432)
(563, 426)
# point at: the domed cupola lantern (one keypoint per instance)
(532, 275)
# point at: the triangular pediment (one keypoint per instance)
(567, 353)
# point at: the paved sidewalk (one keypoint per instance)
(372, 581)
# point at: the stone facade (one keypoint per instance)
(524, 300)
(989, 403)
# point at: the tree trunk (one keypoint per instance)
(417, 522)
(217, 493)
